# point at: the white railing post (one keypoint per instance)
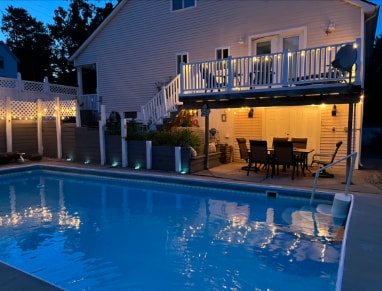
(285, 68)
(39, 127)
(230, 74)
(101, 125)
(183, 74)
(58, 128)
(8, 123)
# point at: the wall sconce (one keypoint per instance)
(241, 41)
(334, 110)
(250, 113)
(331, 27)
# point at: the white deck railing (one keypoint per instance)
(160, 106)
(285, 69)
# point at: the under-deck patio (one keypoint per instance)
(326, 74)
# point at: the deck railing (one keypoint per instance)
(284, 69)
(165, 101)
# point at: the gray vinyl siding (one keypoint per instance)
(139, 45)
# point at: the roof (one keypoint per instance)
(115, 11)
(9, 52)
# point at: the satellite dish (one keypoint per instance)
(345, 58)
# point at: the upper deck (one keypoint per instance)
(300, 77)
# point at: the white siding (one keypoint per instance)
(139, 45)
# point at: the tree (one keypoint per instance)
(70, 29)
(373, 81)
(29, 40)
(44, 51)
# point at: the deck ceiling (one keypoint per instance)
(274, 97)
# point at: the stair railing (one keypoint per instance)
(353, 157)
(162, 103)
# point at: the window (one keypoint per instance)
(1, 62)
(291, 43)
(180, 58)
(222, 53)
(182, 4)
(263, 47)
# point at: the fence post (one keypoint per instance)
(101, 125)
(8, 123)
(58, 128)
(178, 159)
(40, 147)
(149, 159)
(124, 142)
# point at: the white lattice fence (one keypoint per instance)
(23, 110)
(2, 108)
(68, 108)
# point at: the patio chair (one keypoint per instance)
(262, 73)
(300, 143)
(279, 139)
(283, 155)
(325, 159)
(258, 154)
(210, 80)
(244, 152)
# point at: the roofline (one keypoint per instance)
(98, 30)
(369, 7)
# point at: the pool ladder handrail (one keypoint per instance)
(349, 176)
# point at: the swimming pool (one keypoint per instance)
(85, 232)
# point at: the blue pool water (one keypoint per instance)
(94, 233)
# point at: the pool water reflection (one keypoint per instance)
(83, 232)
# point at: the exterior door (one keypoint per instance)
(294, 121)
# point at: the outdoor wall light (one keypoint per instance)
(241, 41)
(331, 27)
(250, 113)
(334, 110)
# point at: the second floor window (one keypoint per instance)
(181, 4)
(222, 53)
(180, 58)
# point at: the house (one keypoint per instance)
(260, 68)
(8, 62)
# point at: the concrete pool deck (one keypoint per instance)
(363, 254)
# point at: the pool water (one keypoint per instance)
(93, 233)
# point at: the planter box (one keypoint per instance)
(163, 158)
(113, 146)
(136, 154)
(197, 163)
